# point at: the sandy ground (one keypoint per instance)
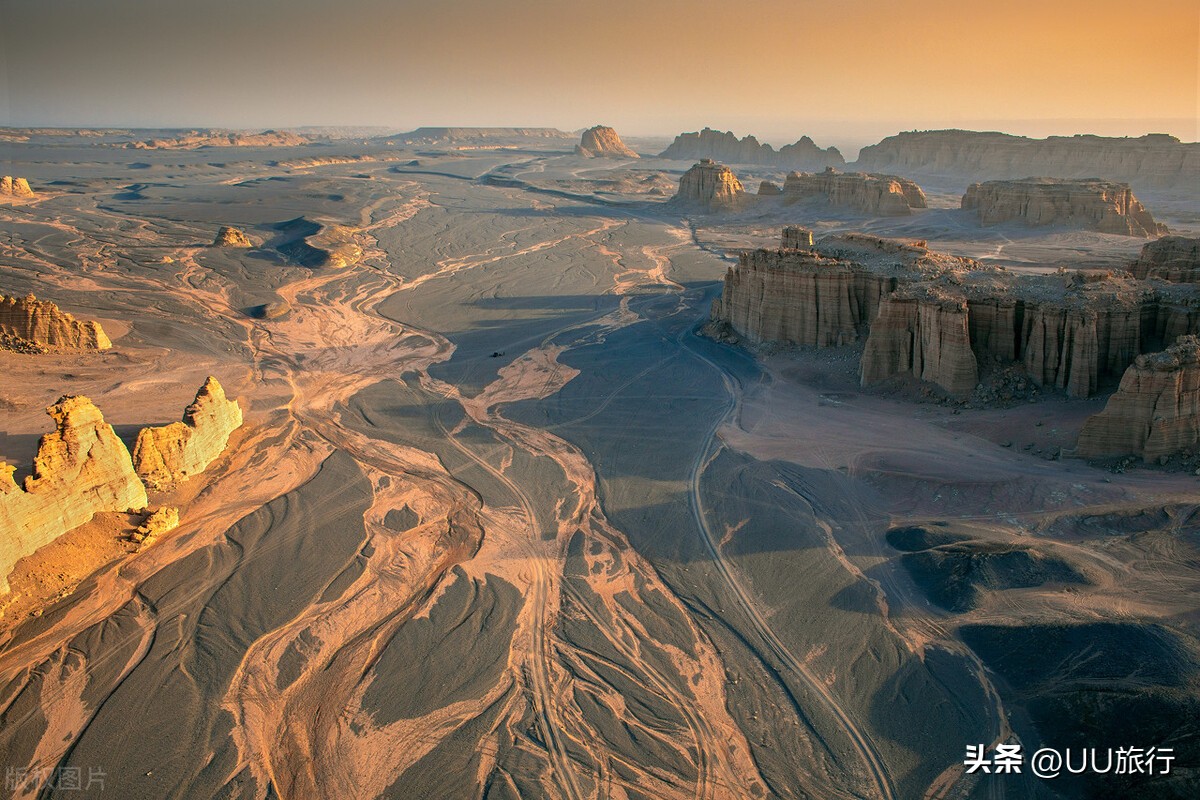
(501, 524)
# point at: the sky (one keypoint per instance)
(845, 72)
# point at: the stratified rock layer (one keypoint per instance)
(43, 324)
(175, 452)
(231, 237)
(881, 195)
(1171, 258)
(603, 142)
(80, 469)
(796, 238)
(1153, 160)
(1089, 204)
(14, 187)
(710, 186)
(1156, 410)
(719, 146)
(943, 319)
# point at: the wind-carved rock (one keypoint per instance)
(173, 453)
(14, 187)
(1171, 258)
(1156, 410)
(229, 236)
(880, 195)
(710, 186)
(924, 333)
(768, 189)
(724, 146)
(43, 324)
(603, 142)
(796, 238)
(1090, 204)
(81, 469)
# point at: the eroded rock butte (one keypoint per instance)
(45, 325)
(1090, 204)
(603, 142)
(175, 452)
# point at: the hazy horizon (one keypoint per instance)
(844, 76)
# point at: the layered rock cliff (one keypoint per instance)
(1156, 160)
(44, 325)
(945, 320)
(603, 142)
(1089, 204)
(1156, 410)
(881, 195)
(81, 469)
(14, 187)
(1171, 258)
(231, 237)
(175, 452)
(710, 186)
(196, 139)
(724, 146)
(796, 238)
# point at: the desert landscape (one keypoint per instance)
(474, 461)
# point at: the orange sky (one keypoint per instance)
(778, 68)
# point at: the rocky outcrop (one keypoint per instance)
(1156, 410)
(602, 142)
(796, 238)
(80, 469)
(231, 237)
(196, 139)
(726, 147)
(710, 186)
(768, 189)
(947, 320)
(14, 187)
(175, 452)
(44, 325)
(1088, 204)
(1156, 160)
(879, 195)
(155, 524)
(1171, 258)
(319, 244)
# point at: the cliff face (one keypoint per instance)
(944, 319)
(1156, 160)
(1156, 410)
(14, 187)
(231, 237)
(603, 142)
(882, 195)
(175, 452)
(80, 469)
(1092, 204)
(711, 186)
(43, 324)
(724, 146)
(796, 238)
(1171, 258)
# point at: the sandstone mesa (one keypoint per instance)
(880, 195)
(603, 142)
(711, 187)
(1171, 258)
(44, 325)
(1091, 204)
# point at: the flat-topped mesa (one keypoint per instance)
(1156, 410)
(1089, 203)
(1171, 258)
(229, 236)
(81, 469)
(796, 238)
(14, 187)
(881, 195)
(1153, 160)
(603, 142)
(724, 146)
(44, 325)
(710, 186)
(173, 453)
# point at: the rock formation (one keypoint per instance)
(1156, 410)
(1156, 160)
(1171, 258)
(319, 244)
(1091, 204)
(945, 319)
(231, 237)
(175, 452)
(767, 188)
(158, 522)
(14, 187)
(881, 195)
(478, 136)
(80, 469)
(796, 238)
(726, 147)
(710, 186)
(44, 325)
(192, 140)
(603, 142)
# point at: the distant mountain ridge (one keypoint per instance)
(725, 147)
